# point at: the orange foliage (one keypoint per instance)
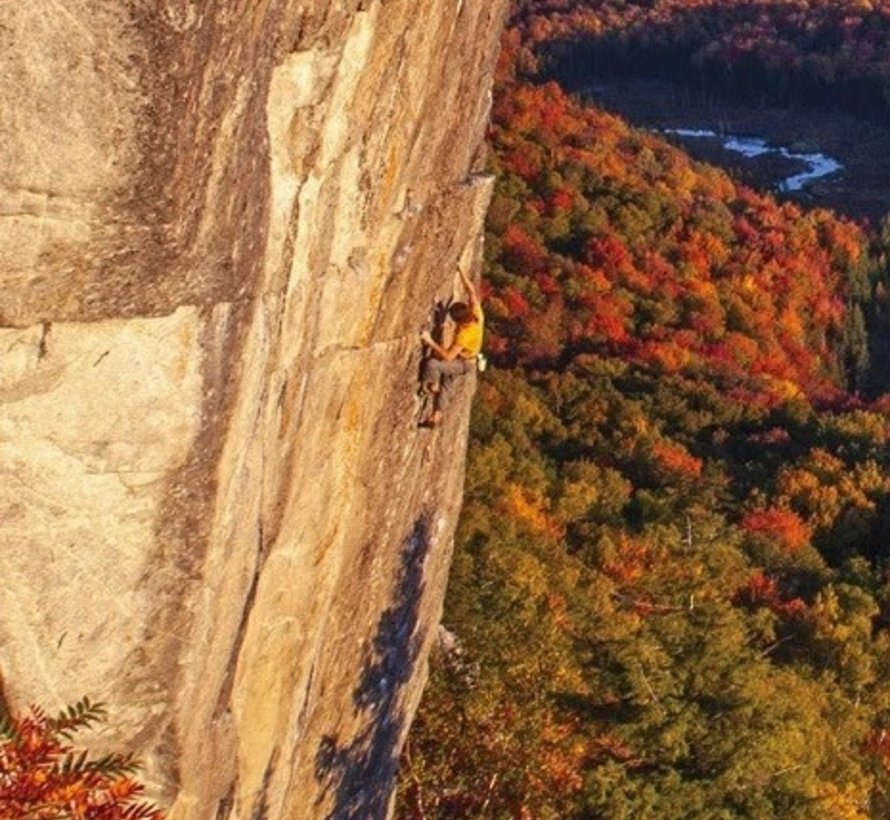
(675, 458)
(878, 745)
(668, 357)
(734, 282)
(762, 590)
(778, 524)
(631, 561)
(562, 765)
(515, 303)
(530, 508)
(522, 252)
(42, 777)
(821, 44)
(556, 603)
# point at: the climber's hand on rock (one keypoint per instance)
(426, 338)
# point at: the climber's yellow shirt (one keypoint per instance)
(469, 336)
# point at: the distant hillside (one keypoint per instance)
(825, 53)
(605, 238)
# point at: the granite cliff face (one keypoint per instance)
(222, 225)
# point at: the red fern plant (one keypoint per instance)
(43, 777)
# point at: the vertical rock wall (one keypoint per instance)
(222, 225)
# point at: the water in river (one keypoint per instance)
(817, 165)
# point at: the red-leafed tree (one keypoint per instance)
(779, 524)
(44, 777)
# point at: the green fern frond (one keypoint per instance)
(71, 764)
(110, 765)
(114, 765)
(141, 811)
(80, 715)
(9, 729)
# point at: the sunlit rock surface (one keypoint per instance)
(221, 228)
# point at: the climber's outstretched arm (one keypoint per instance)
(472, 296)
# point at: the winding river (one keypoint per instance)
(817, 165)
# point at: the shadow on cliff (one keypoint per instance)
(362, 774)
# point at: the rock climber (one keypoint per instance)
(442, 366)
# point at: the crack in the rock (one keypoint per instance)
(43, 345)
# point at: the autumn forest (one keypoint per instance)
(671, 588)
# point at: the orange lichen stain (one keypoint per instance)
(352, 408)
(326, 543)
(373, 301)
